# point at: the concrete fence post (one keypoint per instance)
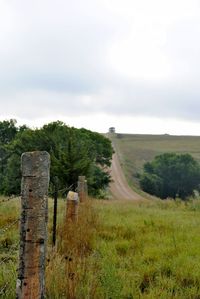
(81, 188)
(72, 207)
(33, 228)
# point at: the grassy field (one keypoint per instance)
(117, 249)
(135, 150)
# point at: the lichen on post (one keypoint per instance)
(35, 168)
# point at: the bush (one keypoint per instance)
(171, 175)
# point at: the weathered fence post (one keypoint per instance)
(81, 188)
(71, 219)
(33, 227)
(72, 206)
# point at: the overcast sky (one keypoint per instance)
(133, 64)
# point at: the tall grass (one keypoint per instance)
(72, 259)
(9, 238)
(116, 250)
(153, 248)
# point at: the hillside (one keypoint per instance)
(134, 150)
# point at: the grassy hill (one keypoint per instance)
(135, 150)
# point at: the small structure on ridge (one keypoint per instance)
(112, 130)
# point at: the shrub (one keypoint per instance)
(171, 175)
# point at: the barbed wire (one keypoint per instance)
(50, 193)
(14, 197)
(6, 228)
(6, 288)
(11, 198)
(2, 290)
(62, 190)
(66, 189)
(11, 250)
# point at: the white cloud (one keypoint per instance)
(70, 59)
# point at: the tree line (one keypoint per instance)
(73, 152)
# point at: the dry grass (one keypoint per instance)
(9, 238)
(118, 250)
(71, 259)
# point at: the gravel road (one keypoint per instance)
(119, 187)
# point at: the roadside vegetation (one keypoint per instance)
(140, 250)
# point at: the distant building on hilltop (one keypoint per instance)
(111, 130)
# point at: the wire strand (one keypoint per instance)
(62, 190)
(6, 228)
(2, 290)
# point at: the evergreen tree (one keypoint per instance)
(73, 152)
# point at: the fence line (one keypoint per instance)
(6, 228)
(73, 199)
(2, 290)
(55, 194)
(72, 207)
(11, 250)
(14, 197)
(6, 199)
(33, 225)
(66, 188)
(9, 253)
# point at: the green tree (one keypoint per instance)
(8, 132)
(171, 175)
(73, 152)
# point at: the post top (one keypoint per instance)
(81, 178)
(35, 164)
(72, 196)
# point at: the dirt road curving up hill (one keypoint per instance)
(119, 187)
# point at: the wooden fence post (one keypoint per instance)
(33, 227)
(72, 206)
(81, 188)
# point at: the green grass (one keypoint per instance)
(152, 249)
(122, 250)
(9, 239)
(9, 242)
(135, 150)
